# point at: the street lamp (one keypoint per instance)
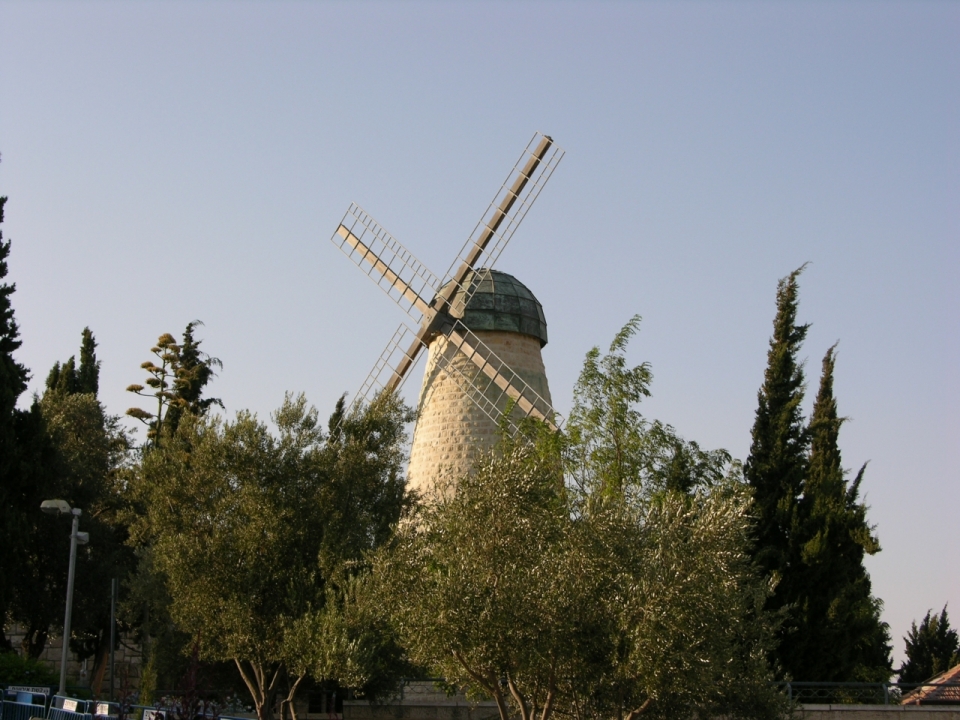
(62, 507)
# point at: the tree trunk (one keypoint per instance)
(289, 700)
(263, 691)
(100, 659)
(34, 641)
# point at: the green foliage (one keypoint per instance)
(604, 573)
(614, 450)
(482, 584)
(812, 531)
(13, 381)
(350, 640)
(72, 450)
(252, 529)
(777, 462)
(176, 384)
(931, 649)
(17, 670)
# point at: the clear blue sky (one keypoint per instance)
(174, 161)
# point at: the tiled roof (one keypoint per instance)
(944, 689)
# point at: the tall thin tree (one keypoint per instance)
(777, 462)
(839, 635)
(13, 381)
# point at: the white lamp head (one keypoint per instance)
(55, 507)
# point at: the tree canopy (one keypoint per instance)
(931, 648)
(586, 573)
(255, 531)
(812, 531)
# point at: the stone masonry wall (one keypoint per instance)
(880, 712)
(79, 673)
(451, 429)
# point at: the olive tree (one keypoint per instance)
(254, 530)
(601, 572)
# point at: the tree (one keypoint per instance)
(678, 522)
(931, 649)
(74, 452)
(839, 635)
(176, 384)
(252, 531)
(777, 462)
(483, 587)
(811, 527)
(13, 381)
(613, 449)
(605, 573)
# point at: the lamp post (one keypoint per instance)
(62, 507)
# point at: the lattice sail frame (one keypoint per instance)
(385, 260)
(511, 221)
(411, 285)
(385, 367)
(495, 386)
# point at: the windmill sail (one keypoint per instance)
(389, 264)
(391, 368)
(505, 213)
(491, 384)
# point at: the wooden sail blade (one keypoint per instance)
(493, 386)
(386, 261)
(506, 211)
(393, 365)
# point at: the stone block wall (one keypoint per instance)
(128, 659)
(421, 700)
(880, 712)
(451, 429)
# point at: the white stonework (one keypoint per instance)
(451, 429)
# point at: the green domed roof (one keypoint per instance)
(501, 302)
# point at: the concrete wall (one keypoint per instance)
(880, 712)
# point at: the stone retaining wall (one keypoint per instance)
(880, 712)
(79, 673)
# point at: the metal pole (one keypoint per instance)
(69, 613)
(113, 632)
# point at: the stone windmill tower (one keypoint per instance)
(483, 329)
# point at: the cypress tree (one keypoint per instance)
(68, 379)
(13, 375)
(13, 382)
(777, 462)
(839, 636)
(931, 649)
(88, 376)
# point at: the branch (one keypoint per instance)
(633, 714)
(254, 691)
(551, 694)
(491, 688)
(518, 697)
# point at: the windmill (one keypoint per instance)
(462, 320)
